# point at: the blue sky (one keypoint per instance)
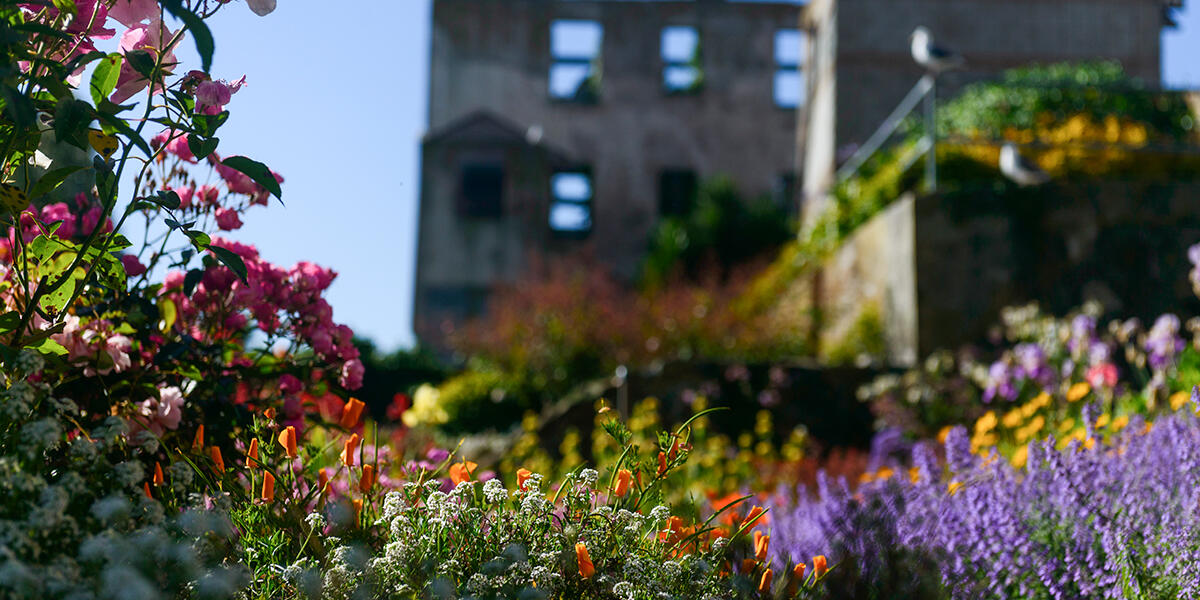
(336, 102)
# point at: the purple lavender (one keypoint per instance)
(1163, 342)
(1074, 524)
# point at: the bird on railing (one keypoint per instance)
(929, 55)
(1019, 169)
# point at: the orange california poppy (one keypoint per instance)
(252, 454)
(367, 480)
(586, 568)
(662, 463)
(749, 565)
(215, 454)
(460, 472)
(797, 578)
(819, 565)
(358, 504)
(268, 487)
(761, 544)
(755, 516)
(287, 439)
(349, 449)
(798, 571)
(146, 488)
(351, 413)
(623, 479)
(323, 482)
(158, 474)
(764, 584)
(523, 475)
(674, 449)
(269, 413)
(198, 441)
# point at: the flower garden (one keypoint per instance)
(179, 416)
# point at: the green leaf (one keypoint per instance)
(10, 320)
(104, 78)
(207, 125)
(120, 125)
(190, 281)
(71, 120)
(51, 180)
(199, 239)
(200, 147)
(49, 346)
(67, 6)
(256, 171)
(55, 301)
(142, 62)
(199, 31)
(18, 106)
(106, 180)
(167, 199)
(231, 260)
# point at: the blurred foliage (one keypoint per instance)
(386, 374)
(721, 231)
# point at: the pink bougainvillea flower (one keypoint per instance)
(151, 37)
(133, 267)
(132, 12)
(227, 219)
(261, 8)
(162, 413)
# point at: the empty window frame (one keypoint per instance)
(676, 192)
(682, 69)
(481, 191)
(789, 78)
(575, 49)
(571, 195)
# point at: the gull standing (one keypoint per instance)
(931, 56)
(1018, 168)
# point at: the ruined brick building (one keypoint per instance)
(564, 125)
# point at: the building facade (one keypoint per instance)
(574, 126)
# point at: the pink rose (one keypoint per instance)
(133, 267)
(142, 37)
(132, 12)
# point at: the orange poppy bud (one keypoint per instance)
(215, 454)
(523, 475)
(323, 482)
(357, 502)
(269, 413)
(756, 512)
(662, 463)
(797, 578)
(761, 544)
(749, 565)
(764, 584)
(586, 568)
(198, 441)
(351, 413)
(349, 449)
(367, 480)
(252, 454)
(637, 476)
(820, 565)
(268, 488)
(460, 472)
(158, 474)
(146, 488)
(674, 449)
(623, 479)
(287, 439)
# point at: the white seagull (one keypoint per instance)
(1019, 169)
(931, 56)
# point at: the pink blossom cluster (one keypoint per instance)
(278, 301)
(75, 223)
(94, 345)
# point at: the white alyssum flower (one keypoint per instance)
(494, 492)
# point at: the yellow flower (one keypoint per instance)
(1012, 419)
(953, 487)
(1078, 391)
(914, 474)
(1089, 442)
(1178, 399)
(985, 423)
(1041, 400)
(945, 431)
(1103, 420)
(1119, 423)
(1020, 457)
(1036, 424)
(425, 408)
(1066, 425)
(884, 473)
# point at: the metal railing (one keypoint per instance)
(923, 90)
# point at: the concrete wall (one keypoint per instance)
(940, 268)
